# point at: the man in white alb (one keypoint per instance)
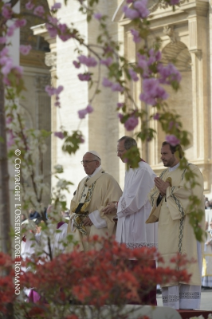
(134, 208)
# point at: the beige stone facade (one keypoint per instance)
(186, 36)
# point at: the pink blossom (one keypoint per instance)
(7, 67)
(4, 51)
(59, 134)
(18, 70)
(39, 11)
(64, 34)
(20, 23)
(52, 20)
(106, 82)
(107, 61)
(9, 120)
(130, 1)
(29, 5)
(57, 104)
(156, 116)
(141, 6)
(136, 35)
(152, 91)
(143, 64)
(10, 30)
(120, 116)
(82, 140)
(7, 11)
(76, 64)
(50, 90)
(59, 89)
(130, 13)
(56, 6)
(131, 123)
(51, 30)
(172, 140)
(168, 74)
(10, 138)
(84, 77)
(3, 40)
(89, 109)
(6, 81)
(117, 87)
(88, 61)
(97, 16)
(120, 105)
(174, 2)
(82, 113)
(25, 49)
(133, 75)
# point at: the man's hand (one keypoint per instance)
(110, 208)
(161, 185)
(87, 222)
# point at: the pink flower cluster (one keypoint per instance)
(88, 61)
(82, 113)
(115, 87)
(7, 67)
(59, 134)
(56, 6)
(7, 11)
(172, 139)
(133, 75)
(39, 11)
(54, 28)
(29, 5)
(17, 24)
(131, 123)
(25, 49)
(84, 77)
(136, 35)
(139, 10)
(54, 91)
(97, 16)
(107, 62)
(10, 138)
(168, 74)
(152, 91)
(174, 2)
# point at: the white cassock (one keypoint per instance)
(134, 209)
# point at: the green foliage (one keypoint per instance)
(72, 142)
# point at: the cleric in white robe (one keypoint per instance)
(133, 208)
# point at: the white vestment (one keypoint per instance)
(134, 209)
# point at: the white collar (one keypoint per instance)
(95, 172)
(171, 169)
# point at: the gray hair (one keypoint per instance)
(96, 158)
(128, 142)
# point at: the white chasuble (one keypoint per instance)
(134, 208)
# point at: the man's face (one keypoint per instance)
(121, 150)
(89, 163)
(168, 159)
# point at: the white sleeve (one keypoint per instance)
(97, 220)
(136, 195)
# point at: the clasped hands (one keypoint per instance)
(87, 222)
(161, 185)
(110, 208)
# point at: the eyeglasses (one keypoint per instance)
(86, 162)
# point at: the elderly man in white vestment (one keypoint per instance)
(93, 194)
(170, 199)
(133, 209)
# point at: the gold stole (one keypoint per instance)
(81, 210)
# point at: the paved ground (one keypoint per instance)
(206, 300)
